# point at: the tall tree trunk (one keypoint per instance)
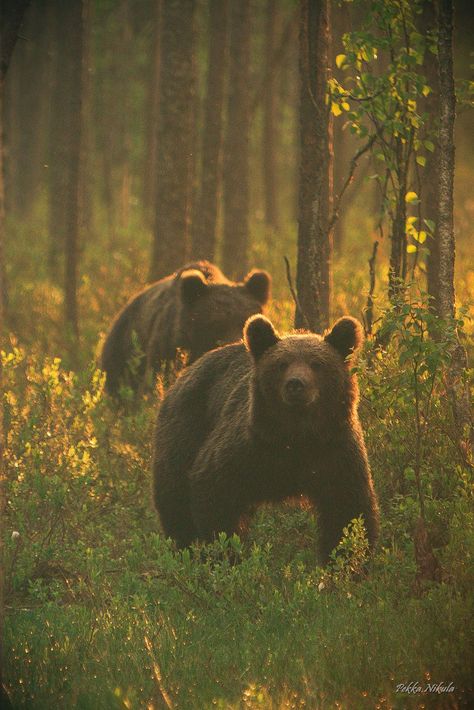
(174, 189)
(342, 149)
(72, 97)
(205, 231)
(236, 144)
(456, 381)
(429, 181)
(86, 189)
(269, 143)
(314, 267)
(11, 17)
(32, 66)
(288, 97)
(124, 135)
(57, 158)
(447, 246)
(153, 112)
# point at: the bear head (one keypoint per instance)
(302, 381)
(214, 313)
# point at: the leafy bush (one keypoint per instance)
(103, 612)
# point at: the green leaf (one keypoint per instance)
(430, 224)
(421, 160)
(429, 145)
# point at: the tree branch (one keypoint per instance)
(293, 292)
(352, 168)
(369, 309)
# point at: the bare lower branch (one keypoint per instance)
(352, 169)
(369, 309)
(293, 292)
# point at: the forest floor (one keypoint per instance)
(102, 612)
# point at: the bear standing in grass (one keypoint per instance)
(194, 310)
(272, 419)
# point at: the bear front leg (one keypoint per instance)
(216, 506)
(342, 497)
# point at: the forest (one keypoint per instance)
(176, 176)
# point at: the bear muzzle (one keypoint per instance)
(299, 387)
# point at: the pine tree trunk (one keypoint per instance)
(447, 107)
(340, 24)
(86, 190)
(123, 145)
(205, 232)
(288, 98)
(270, 145)
(236, 145)
(429, 186)
(72, 97)
(33, 104)
(314, 268)
(456, 380)
(57, 159)
(175, 165)
(153, 112)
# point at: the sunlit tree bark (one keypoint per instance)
(457, 385)
(175, 164)
(314, 268)
(429, 177)
(205, 230)
(86, 189)
(236, 144)
(153, 110)
(269, 142)
(72, 97)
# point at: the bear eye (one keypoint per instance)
(316, 365)
(283, 365)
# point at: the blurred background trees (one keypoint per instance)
(187, 136)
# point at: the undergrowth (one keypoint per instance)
(103, 612)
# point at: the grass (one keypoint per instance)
(102, 612)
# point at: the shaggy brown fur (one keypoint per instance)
(263, 422)
(194, 310)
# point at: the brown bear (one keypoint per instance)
(263, 421)
(194, 310)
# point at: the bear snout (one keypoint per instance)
(299, 387)
(295, 387)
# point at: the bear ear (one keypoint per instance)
(193, 285)
(259, 335)
(258, 284)
(346, 336)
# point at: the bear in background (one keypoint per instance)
(263, 421)
(194, 310)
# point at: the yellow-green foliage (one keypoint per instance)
(103, 613)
